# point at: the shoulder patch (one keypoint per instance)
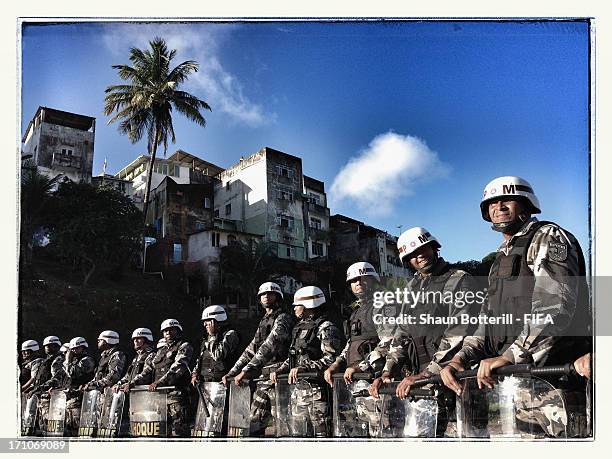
(557, 251)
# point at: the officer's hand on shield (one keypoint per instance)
(125, 387)
(448, 376)
(384, 379)
(116, 388)
(292, 379)
(485, 369)
(238, 379)
(348, 374)
(224, 379)
(153, 386)
(327, 376)
(403, 388)
(273, 377)
(194, 379)
(583, 365)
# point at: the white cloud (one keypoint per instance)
(223, 91)
(391, 167)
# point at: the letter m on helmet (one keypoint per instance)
(363, 271)
(508, 189)
(423, 238)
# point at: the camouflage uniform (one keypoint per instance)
(315, 345)
(217, 353)
(110, 369)
(266, 350)
(50, 375)
(170, 366)
(79, 370)
(144, 356)
(540, 269)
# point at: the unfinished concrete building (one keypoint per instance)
(316, 218)
(61, 143)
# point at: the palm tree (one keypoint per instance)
(146, 103)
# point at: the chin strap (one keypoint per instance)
(512, 227)
(427, 269)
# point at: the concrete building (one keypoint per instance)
(267, 194)
(61, 143)
(316, 218)
(354, 241)
(184, 168)
(110, 181)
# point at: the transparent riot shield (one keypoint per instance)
(91, 409)
(302, 409)
(516, 407)
(408, 418)
(355, 414)
(28, 415)
(148, 413)
(209, 421)
(112, 413)
(56, 420)
(239, 416)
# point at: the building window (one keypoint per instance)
(164, 169)
(232, 240)
(177, 254)
(199, 226)
(67, 151)
(289, 252)
(285, 221)
(317, 249)
(314, 198)
(215, 239)
(228, 209)
(285, 195)
(315, 223)
(284, 172)
(228, 186)
(207, 203)
(216, 213)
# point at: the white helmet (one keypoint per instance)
(65, 347)
(143, 333)
(214, 312)
(30, 345)
(169, 323)
(361, 268)
(76, 342)
(509, 186)
(412, 239)
(161, 343)
(111, 337)
(52, 340)
(269, 287)
(310, 297)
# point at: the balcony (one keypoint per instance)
(318, 209)
(317, 234)
(64, 160)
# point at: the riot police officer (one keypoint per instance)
(30, 362)
(111, 365)
(315, 344)
(359, 329)
(143, 345)
(539, 269)
(263, 355)
(170, 367)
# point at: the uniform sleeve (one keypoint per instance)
(180, 366)
(116, 367)
(221, 349)
(147, 371)
(342, 358)
(555, 263)
(331, 346)
(278, 337)
(244, 358)
(376, 360)
(129, 370)
(58, 375)
(78, 368)
(466, 302)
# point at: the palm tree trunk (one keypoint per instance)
(145, 206)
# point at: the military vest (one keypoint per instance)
(425, 339)
(138, 363)
(211, 369)
(163, 361)
(102, 369)
(511, 286)
(44, 372)
(361, 333)
(304, 342)
(263, 330)
(84, 378)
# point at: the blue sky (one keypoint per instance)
(439, 109)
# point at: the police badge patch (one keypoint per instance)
(557, 251)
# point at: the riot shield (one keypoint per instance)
(353, 414)
(148, 413)
(112, 413)
(516, 407)
(56, 421)
(209, 421)
(301, 407)
(239, 416)
(28, 415)
(91, 409)
(408, 418)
